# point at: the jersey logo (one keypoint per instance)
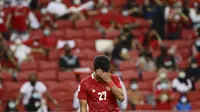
(93, 91)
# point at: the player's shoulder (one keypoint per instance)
(114, 76)
(86, 80)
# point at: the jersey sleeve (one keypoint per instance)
(117, 81)
(82, 93)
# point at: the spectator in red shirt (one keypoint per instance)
(46, 19)
(175, 19)
(5, 18)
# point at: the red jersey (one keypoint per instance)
(98, 94)
(19, 19)
(3, 19)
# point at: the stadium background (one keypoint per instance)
(62, 85)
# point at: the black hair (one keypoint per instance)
(102, 62)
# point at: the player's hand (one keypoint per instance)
(104, 75)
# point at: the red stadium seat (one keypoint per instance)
(127, 65)
(194, 96)
(134, 55)
(144, 107)
(85, 44)
(50, 75)
(23, 76)
(59, 34)
(63, 24)
(149, 75)
(13, 86)
(145, 85)
(118, 3)
(143, 23)
(55, 54)
(74, 34)
(188, 34)
(112, 34)
(82, 24)
(172, 74)
(195, 105)
(38, 56)
(83, 54)
(36, 34)
(197, 85)
(59, 87)
(92, 34)
(6, 76)
(46, 65)
(129, 74)
(27, 65)
(66, 76)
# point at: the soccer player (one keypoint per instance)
(101, 90)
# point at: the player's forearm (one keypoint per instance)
(117, 91)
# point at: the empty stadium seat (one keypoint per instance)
(127, 65)
(82, 24)
(66, 76)
(55, 54)
(194, 96)
(38, 56)
(86, 63)
(172, 74)
(118, 3)
(36, 34)
(62, 86)
(85, 44)
(23, 76)
(145, 85)
(112, 34)
(50, 75)
(28, 65)
(46, 65)
(59, 34)
(6, 76)
(144, 107)
(129, 74)
(149, 75)
(13, 86)
(74, 34)
(197, 85)
(92, 34)
(63, 24)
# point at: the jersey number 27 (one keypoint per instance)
(102, 95)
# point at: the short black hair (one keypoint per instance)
(102, 62)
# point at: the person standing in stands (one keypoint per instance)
(101, 90)
(32, 93)
(68, 61)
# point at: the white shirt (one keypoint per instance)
(181, 87)
(27, 90)
(194, 16)
(57, 8)
(21, 51)
(76, 104)
(123, 105)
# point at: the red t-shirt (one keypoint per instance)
(19, 19)
(48, 42)
(98, 94)
(3, 19)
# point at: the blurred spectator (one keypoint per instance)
(182, 84)
(47, 42)
(114, 26)
(5, 20)
(186, 8)
(21, 51)
(32, 94)
(146, 62)
(8, 61)
(33, 4)
(161, 82)
(46, 19)
(193, 72)
(163, 102)
(195, 15)
(120, 51)
(131, 8)
(159, 20)
(68, 61)
(149, 9)
(1, 90)
(175, 19)
(174, 53)
(164, 60)
(22, 19)
(135, 97)
(196, 47)
(183, 104)
(11, 106)
(151, 40)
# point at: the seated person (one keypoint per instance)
(165, 60)
(68, 61)
(11, 106)
(182, 84)
(183, 104)
(163, 102)
(135, 97)
(132, 8)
